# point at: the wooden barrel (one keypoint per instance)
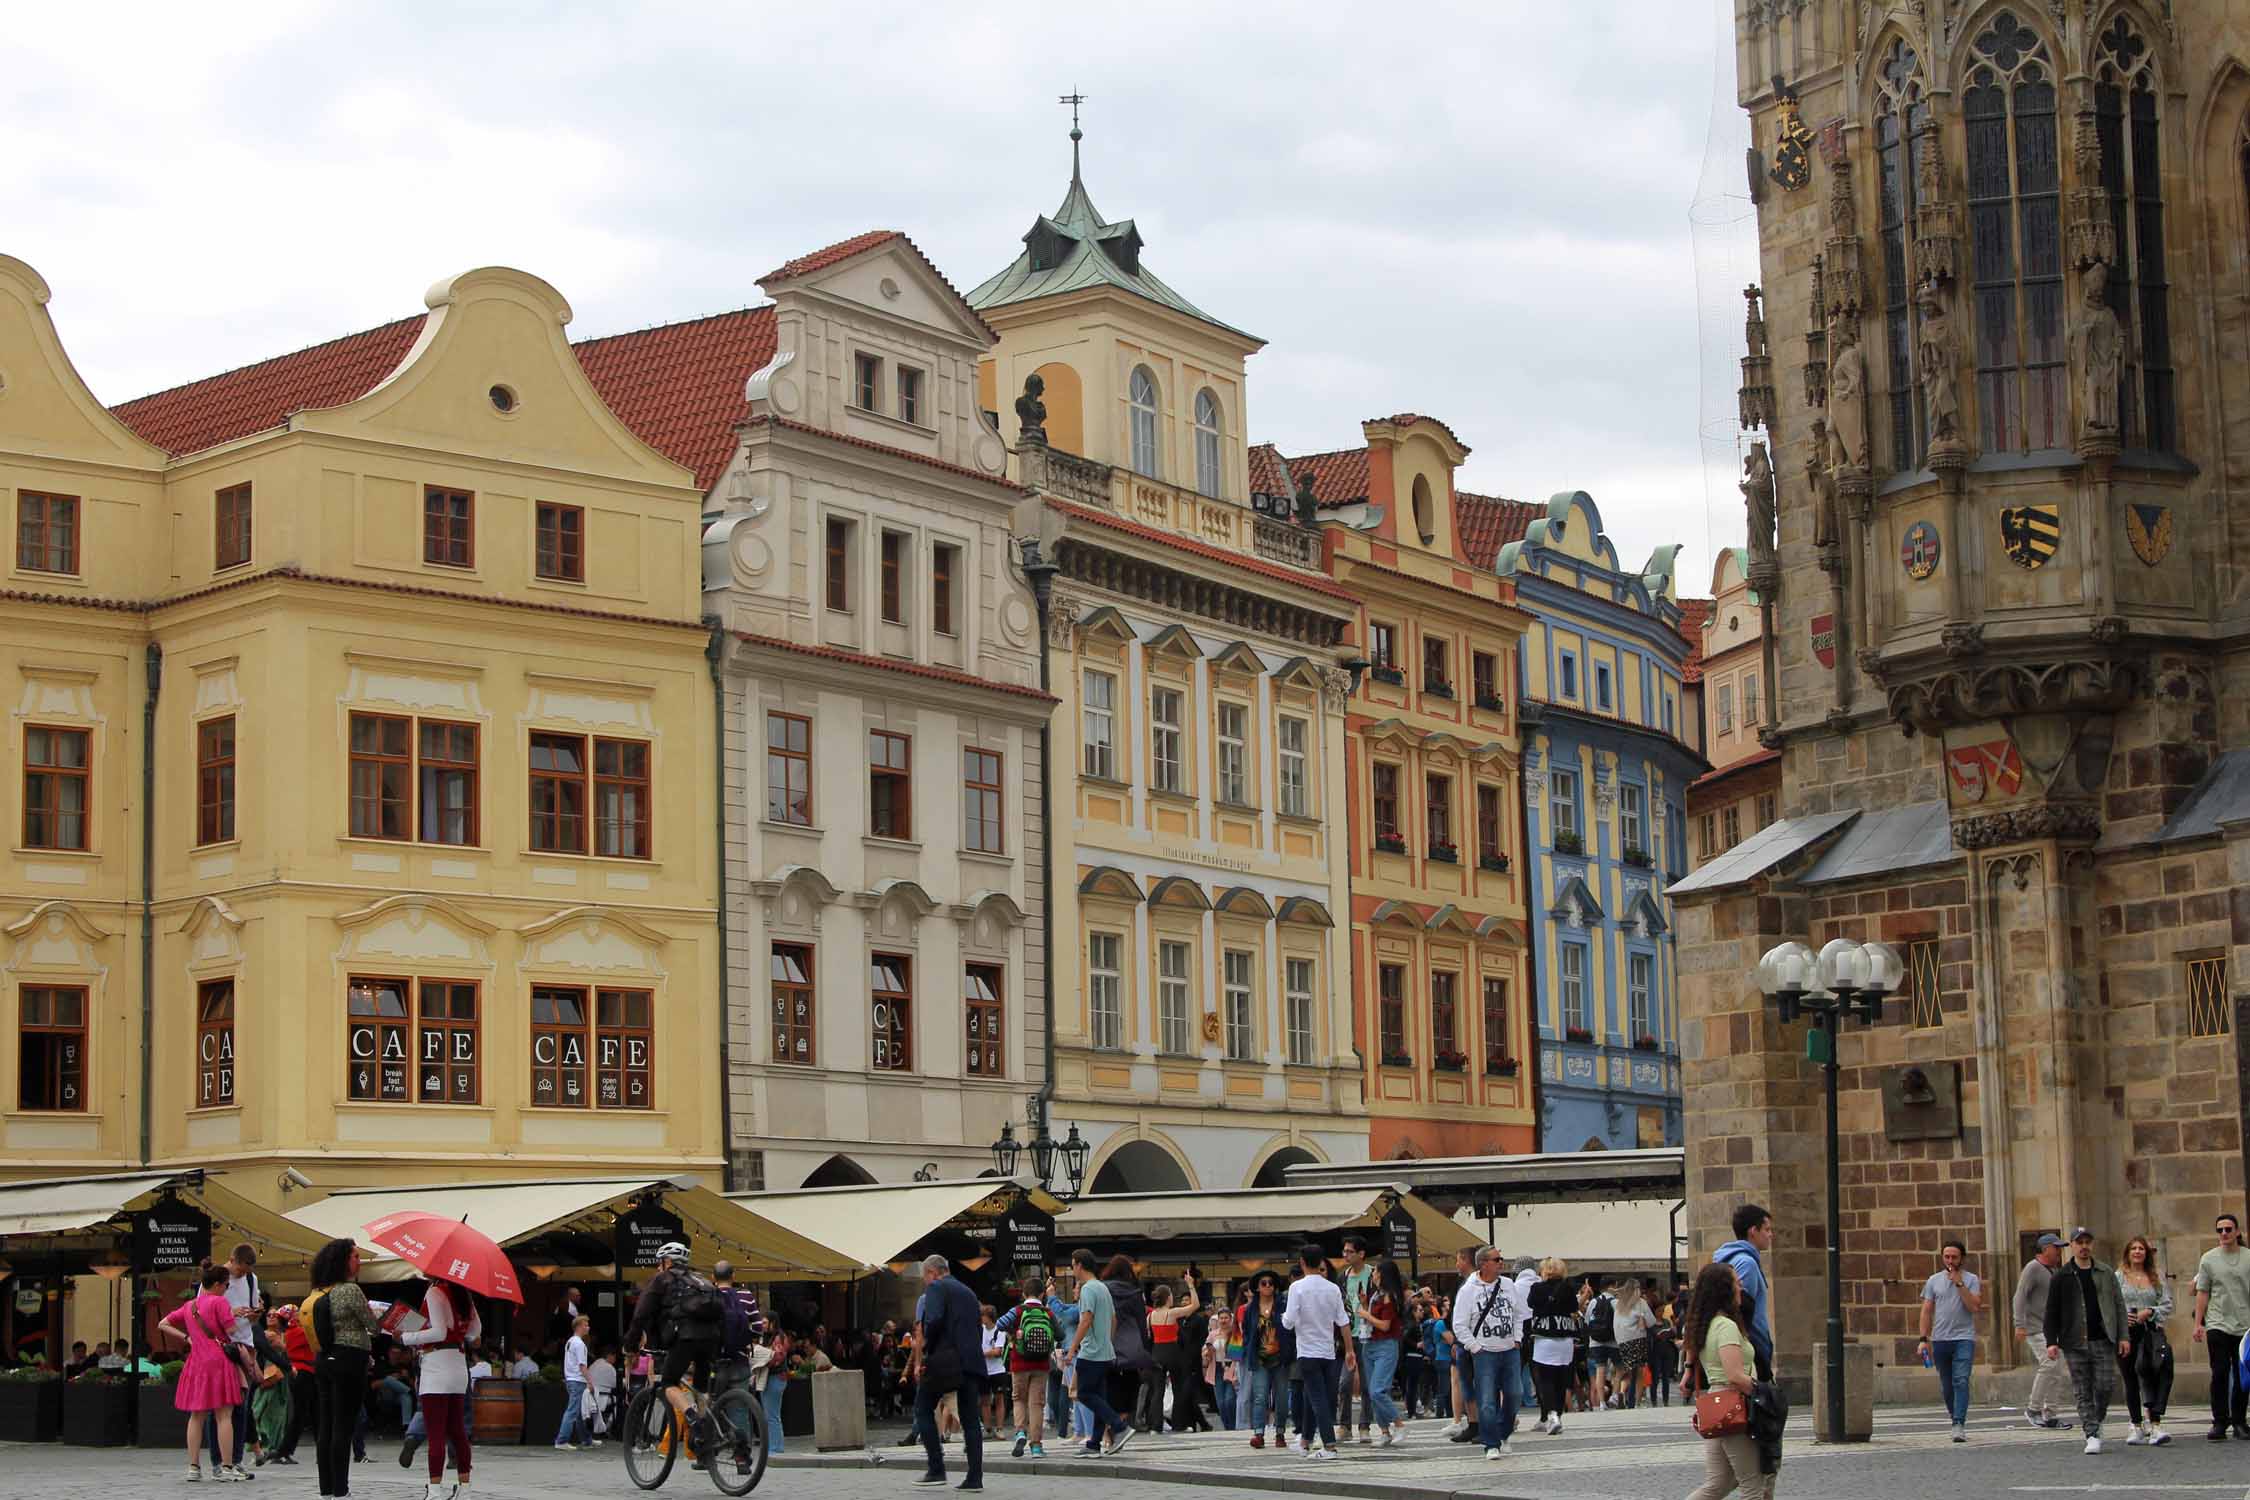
(496, 1412)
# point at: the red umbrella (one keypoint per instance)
(446, 1249)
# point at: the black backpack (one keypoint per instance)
(1602, 1326)
(698, 1309)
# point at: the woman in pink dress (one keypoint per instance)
(211, 1382)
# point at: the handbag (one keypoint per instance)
(271, 1376)
(1724, 1412)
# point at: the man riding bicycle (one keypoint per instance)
(688, 1316)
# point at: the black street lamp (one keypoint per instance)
(1074, 1153)
(1047, 1154)
(1005, 1150)
(1844, 978)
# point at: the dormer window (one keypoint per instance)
(909, 394)
(867, 382)
(1047, 244)
(1142, 393)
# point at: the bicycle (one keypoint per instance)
(654, 1434)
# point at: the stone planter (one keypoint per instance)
(31, 1411)
(97, 1414)
(542, 1410)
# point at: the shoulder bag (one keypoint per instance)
(1724, 1412)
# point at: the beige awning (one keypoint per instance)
(879, 1223)
(512, 1212)
(1605, 1239)
(62, 1210)
(1254, 1213)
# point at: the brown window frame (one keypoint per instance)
(1496, 1038)
(1445, 1014)
(909, 386)
(64, 1068)
(214, 1044)
(1382, 645)
(431, 768)
(1484, 678)
(892, 569)
(562, 1067)
(230, 527)
(380, 1024)
(1382, 787)
(1390, 1011)
(1437, 809)
(545, 833)
(796, 1005)
(837, 591)
(214, 780)
(1492, 822)
(449, 525)
(891, 1042)
(890, 784)
(867, 381)
(42, 779)
(558, 551)
(785, 757)
(581, 798)
(624, 798)
(990, 1008)
(944, 563)
(984, 804)
(458, 1079)
(604, 1064)
(1437, 664)
(40, 518)
(379, 761)
(615, 1072)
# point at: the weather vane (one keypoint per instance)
(1073, 100)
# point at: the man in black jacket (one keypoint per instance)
(2085, 1326)
(951, 1338)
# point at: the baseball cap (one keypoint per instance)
(2049, 1238)
(2081, 1233)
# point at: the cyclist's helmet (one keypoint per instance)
(673, 1250)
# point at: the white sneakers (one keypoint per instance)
(2137, 1436)
(1496, 1452)
(1317, 1452)
(1455, 1428)
(2157, 1436)
(2093, 1445)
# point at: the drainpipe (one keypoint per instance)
(1040, 574)
(714, 652)
(155, 675)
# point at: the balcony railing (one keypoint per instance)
(1278, 541)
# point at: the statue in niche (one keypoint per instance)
(1823, 486)
(1758, 504)
(1031, 412)
(1941, 396)
(1847, 396)
(2097, 351)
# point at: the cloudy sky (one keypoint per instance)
(1478, 210)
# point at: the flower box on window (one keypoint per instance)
(1442, 850)
(1577, 1034)
(1492, 703)
(1502, 1067)
(1496, 863)
(1640, 857)
(1567, 842)
(1437, 687)
(1390, 843)
(1393, 675)
(1398, 1060)
(1450, 1062)
(1644, 1044)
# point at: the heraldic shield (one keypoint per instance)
(2029, 534)
(2149, 529)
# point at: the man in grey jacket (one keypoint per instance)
(2049, 1376)
(2085, 1324)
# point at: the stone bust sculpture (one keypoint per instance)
(1031, 412)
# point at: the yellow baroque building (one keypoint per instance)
(359, 763)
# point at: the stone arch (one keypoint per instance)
(1146, 1163)
(838, 1171)
(1281, 1156)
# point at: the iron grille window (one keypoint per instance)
(1925, 1004)
(2208, 1005)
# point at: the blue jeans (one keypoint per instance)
(1497, 1371)
(573, 1428)
(1378, 1368)
(1093, 1394)
(775, 1387)
(1258, 1394)
(1222, 1396)
(1320, 1398)
(1952, 1359)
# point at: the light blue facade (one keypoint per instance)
(1606, 774)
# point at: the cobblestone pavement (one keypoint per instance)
(1614, 1455)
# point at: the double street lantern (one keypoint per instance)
(1843, 979)
(1047, 1155)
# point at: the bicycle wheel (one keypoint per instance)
(740, 1461)
(651, 1438)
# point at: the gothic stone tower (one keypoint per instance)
(2004, 278)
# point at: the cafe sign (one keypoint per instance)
(170, 1237)
(644, 1229)
(1399, 1236)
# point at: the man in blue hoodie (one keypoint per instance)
(1753, 1236)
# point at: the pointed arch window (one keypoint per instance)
(2125, 121)
(1207, 443)
(1142, 393)
(2015, 231)
(1902, 117)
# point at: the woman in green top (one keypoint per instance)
(343, 1326)
(1713, 1336)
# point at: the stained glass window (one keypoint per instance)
(2125, 120)
(2015, 232)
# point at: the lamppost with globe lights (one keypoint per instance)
(1844, 979)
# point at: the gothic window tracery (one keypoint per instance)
(1901, 116)
(2126, 122)
(2015, 218)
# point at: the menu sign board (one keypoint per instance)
(1027, 1236)
(1398, 1235)
(170, 1237)
(645, 1229)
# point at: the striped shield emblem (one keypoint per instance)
(2029, 534)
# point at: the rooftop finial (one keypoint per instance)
(1076, 135)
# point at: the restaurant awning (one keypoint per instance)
(880, 1224)
(515, 1212)
(61, 1214)
(1551, 1177)
(1262, 1218)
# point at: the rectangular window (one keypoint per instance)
(446, 782)
(1383, 646)
(621, 799)
(1751, 701)
(1639, 968)
(1436, 676)
(1105, 1011)
(51, 1047)
(559, 1042)
(1101, 725)
(1562, 791)
(1631, 831)
(214, 780)
(1667, 713)
(945, 562)
(1296, 799)
(558, 793)
(1172, 997)
(2208, 1004)
(1925, 1003)
(377, 1043)
(791, 968)
(1385, 779)
(1730, 823)
(559, 549)
(890, 984)
(46, 532)
(617, 790)
(447, 1044)
(909, 394)
(624, 1048)
(893, 564)
(214, 1043)
(839, 592)
(789, 769)
(1390, 995)
(1166, 762)
(449, 527)
(231, 527)
(1491, 830)
(1575, 1018)
(1569, 675)
(1234, 754)
(1445, 1023)
(1241, 1028)
(1726, 707)
(1438, 810)
(867, 381)
(1495, 1024)
(1601, 685)
(1484, 670)
(890, 785)
(982, 823)
(1297, 1009)
(1765, 808)
(1710, 827)
(57, 788)
(982, 1002)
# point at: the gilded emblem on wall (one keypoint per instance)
(2029, 534)
(1919, 552)
(2149, 529)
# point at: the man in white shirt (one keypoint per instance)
(601, 1390)
(574, 1434)
(480, 1368)
(246, 1298)
(1315, 1313)
(1488, 1330)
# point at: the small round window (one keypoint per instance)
(503, 399)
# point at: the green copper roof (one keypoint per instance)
(1075, 248)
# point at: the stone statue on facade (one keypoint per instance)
(1941, 394)
(1847, 396)
(1759, 506)
(2097, 352)
(1822, 484)
(1031, 412)
(1308, 507)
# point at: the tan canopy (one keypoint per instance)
(877, 1224)
(1121, 1219)
(60, 1212)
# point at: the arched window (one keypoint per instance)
(1425, 512)
(2015, 233)
(1901, 116)
(1143, 396)
(1207, 443)
(2125, 119)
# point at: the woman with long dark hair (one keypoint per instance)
(1267, 1351)
(2148, 1369)
(342, 1330)
(1176, 1361)
(1385, 1312)
(1714, 1342)
(1130, 1338)
(452, 1322)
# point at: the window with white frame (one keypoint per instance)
(1240, 965)
(1574, 989)
(1207, 443)
(1297, 1009)
(1629, 830)
(1101, 725)
(1562, 791)
(1750, 699)
(1726, 707)
(1142, 392)
(1234, 734)
(1105, 1008)
(1638, 969)
(1294, 798)
(1164, 739)
(1172, 959)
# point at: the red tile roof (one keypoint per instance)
(860, 244)
(1338, 478)
(679, 386)
(221, 408)
(1269, 475)
(885, 664)
(1486, 523)
(1201, 549)
(1694, 615)
(1731, 768)
(1409, 418)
